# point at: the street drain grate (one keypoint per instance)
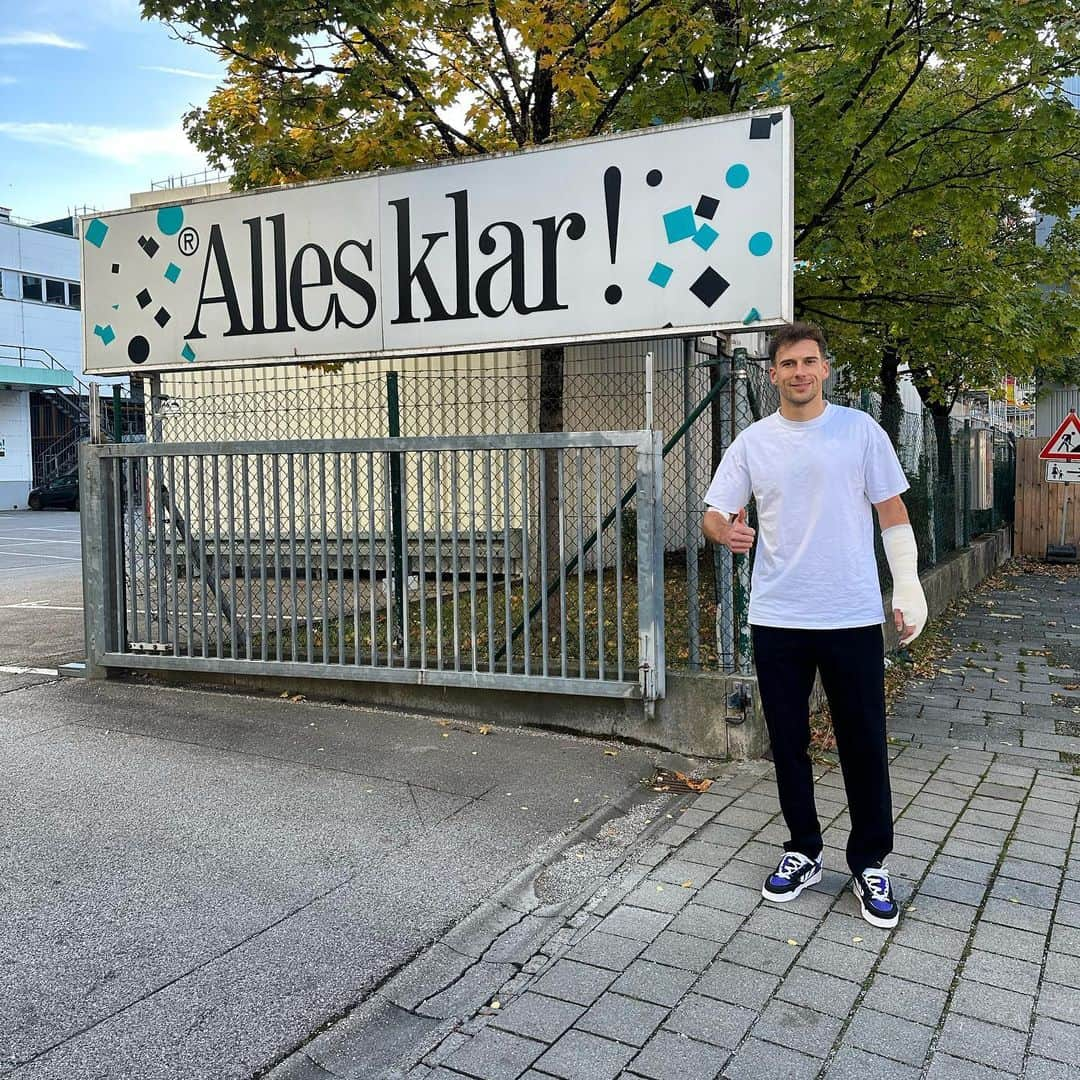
(676, 783)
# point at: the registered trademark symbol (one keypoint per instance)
(188, 241)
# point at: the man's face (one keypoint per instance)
(799, 372)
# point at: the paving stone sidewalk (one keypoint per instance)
(686, 972)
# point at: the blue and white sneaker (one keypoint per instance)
(874, 891)
(794, 873)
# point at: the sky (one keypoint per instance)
(93, 99)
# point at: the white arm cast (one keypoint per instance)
(908, 597)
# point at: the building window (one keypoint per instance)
(54, 292)
(74, 294)
(31, 288)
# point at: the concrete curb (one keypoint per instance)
(487, 954)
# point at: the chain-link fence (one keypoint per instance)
(699, 402)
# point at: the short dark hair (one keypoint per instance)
(796, 331)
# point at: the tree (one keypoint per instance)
(929, 132)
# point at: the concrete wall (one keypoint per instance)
(31, 323)
(708, 714)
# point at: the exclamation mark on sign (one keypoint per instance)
(612, 195)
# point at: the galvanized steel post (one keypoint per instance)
(97, 503)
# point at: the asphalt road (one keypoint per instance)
(194, 883)
(40, 589)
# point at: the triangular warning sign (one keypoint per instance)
(1064, 444)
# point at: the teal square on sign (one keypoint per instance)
(172, 272)
(705, 237)
(679, 224)
(96, 232)
(661, 274)
(188, 353)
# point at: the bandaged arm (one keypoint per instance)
(908, 597)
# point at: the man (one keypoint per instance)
(815, 469)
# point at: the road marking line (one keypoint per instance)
(28, 671)
(38, 555)
(23, 539)
(38, 605)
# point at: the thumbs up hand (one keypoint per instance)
(740, 537)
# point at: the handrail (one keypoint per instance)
(23, 352)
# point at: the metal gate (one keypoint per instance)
(528, 562)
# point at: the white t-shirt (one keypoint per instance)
(814, 482)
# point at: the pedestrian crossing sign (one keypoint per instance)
(1064, 444)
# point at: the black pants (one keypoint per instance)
(852, 667)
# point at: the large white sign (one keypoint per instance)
(686, 228)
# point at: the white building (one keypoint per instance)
(43, 389)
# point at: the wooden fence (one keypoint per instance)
(1039, 504)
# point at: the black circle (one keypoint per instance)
(187, 241)
(138, 350)
(654, 177)
(613, 294)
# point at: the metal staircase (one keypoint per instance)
(59, 455)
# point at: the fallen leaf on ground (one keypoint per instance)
(611, 753)
(297, 697)
(694, 785)
(485, 728)
(792, 941)
(687, 885)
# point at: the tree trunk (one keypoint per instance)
(892, 408)
(945, 496)
(551, 419)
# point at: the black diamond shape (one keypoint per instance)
(761, 126)
(162, 316)
(150, 245)
(144, 298)
(707, 207)
(116, 268)
(709, 287)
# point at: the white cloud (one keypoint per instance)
(182, 71)
(126, 146)
(36, 37)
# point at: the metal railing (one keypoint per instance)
(486, 561)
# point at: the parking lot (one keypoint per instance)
(40, 588)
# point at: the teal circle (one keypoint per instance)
(737, 175)
(170, 219)
(760, 243)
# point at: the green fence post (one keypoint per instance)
(742, 563)
(395, 576)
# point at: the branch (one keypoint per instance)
(508, 56)
(833, 200)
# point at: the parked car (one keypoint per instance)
(61, 491)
